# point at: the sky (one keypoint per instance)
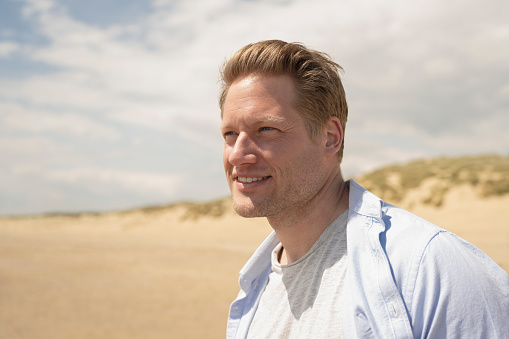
(112, 104)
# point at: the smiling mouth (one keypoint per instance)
(251, 179)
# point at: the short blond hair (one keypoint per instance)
(320, 93)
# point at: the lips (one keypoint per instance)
(250, 179)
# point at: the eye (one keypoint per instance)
(266, 128)
(229, 135)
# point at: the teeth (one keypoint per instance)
(244, 179)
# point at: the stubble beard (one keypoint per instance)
(288, 202)
(247, 208)
(282, 207)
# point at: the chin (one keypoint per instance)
(247, 209)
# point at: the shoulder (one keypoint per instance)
(422, 247)
(406, 236)
(447, 285)
(443, 279)
(455, 286)
(409, 238)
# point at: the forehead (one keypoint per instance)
(268, 98)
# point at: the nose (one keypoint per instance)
(242, 152)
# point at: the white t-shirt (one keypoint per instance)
(304, 299)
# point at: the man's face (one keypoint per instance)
(271, 162)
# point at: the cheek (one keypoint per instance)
(307, 163)
(226, 155)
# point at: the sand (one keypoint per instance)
(151, 275)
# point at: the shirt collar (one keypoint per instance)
(364, 202)
(258, 263)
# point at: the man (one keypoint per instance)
(340, 262)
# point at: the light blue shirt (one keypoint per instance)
(406, 278)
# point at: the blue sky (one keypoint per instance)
(111, 104)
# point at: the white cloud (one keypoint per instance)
(7, 48)
(441, 66)
(16, 148)
(69, 90)
(486, 135)
(145, 183)
(422, 78)
(37, 6)
(370, 155)
(18, 118)
(22, 169)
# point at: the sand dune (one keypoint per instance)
(165, 272)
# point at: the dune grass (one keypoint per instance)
(488, 173)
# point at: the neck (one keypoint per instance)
(298, 228)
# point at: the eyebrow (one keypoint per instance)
(258, 121)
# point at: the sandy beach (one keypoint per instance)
(163, 273)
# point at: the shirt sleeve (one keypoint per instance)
(459, 292)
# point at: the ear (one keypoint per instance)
(334, 133)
